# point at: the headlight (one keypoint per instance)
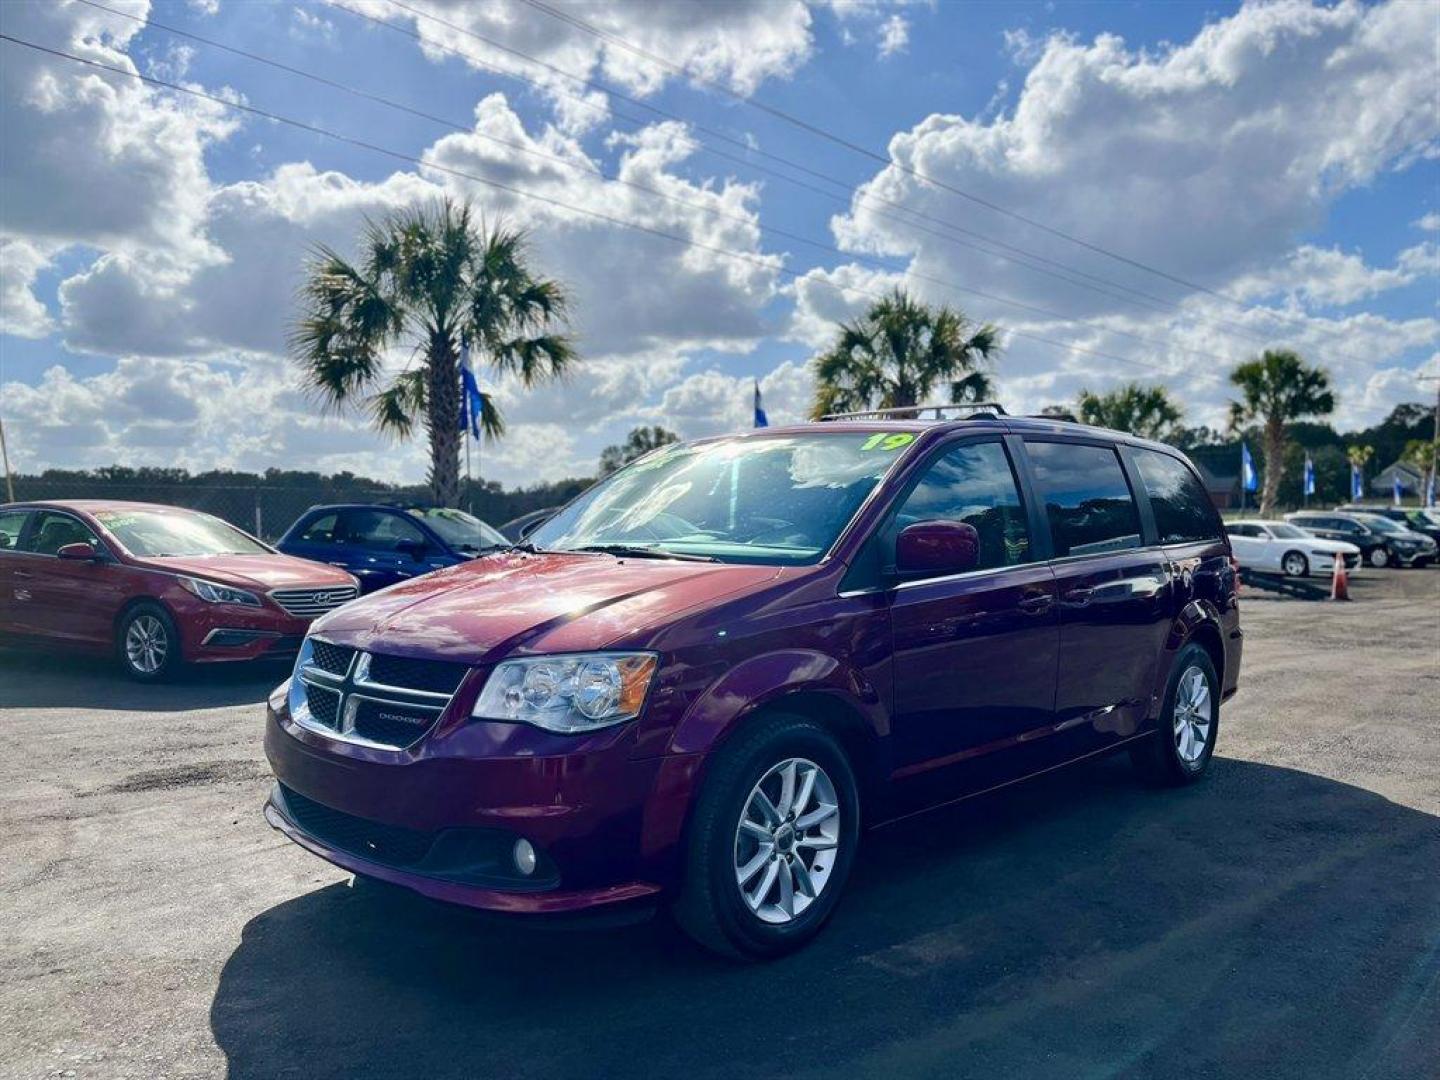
(219, 594)
(568, 694)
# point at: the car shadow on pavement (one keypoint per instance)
(1265, 922)
(35, 679)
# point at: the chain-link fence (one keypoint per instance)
(268, 510)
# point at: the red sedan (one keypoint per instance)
(157, 585)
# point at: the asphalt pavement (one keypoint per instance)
(1281, 919)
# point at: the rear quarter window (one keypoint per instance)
(11, 522)
(1182, 508)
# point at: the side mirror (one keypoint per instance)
(79, 552)
(937, 547)
(416, 549)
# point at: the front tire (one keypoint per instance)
(1180, 751)
(1380, 558)
(772, 841)
(1295, 564)
(147, 643)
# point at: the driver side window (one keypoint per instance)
(974, 484)
(53, 531)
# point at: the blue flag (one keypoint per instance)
(1357, 483)
(1396, 489)
(1430, 490)
(761, 420)
(1248, 480)
(1309, 476)
(471, 403)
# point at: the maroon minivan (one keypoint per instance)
(698, 682)
(156, 585)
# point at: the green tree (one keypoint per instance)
(897, 352)
(1146, 411)
(638, 443)
(1276, 388)
(428, 278)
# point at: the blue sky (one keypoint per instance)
(1284, 155)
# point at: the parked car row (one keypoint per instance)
(1309, 541)
(159, 586)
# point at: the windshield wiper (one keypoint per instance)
(638, 551)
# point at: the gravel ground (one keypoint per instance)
(1281, 919)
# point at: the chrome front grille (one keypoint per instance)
(370, 699)
(307, 603)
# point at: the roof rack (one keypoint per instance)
(913, 412)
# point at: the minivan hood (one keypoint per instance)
(257, 572)
(538, 603)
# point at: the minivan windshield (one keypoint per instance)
(158, 534)
(769, 499)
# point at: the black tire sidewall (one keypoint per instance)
(172, 636)
(1180, 770)
(785, 737)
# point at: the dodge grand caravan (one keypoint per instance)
(696, 684)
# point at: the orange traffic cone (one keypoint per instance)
(1339, 583)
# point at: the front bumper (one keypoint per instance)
(215, 633)
(441, 817)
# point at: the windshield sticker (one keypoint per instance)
(882, 441)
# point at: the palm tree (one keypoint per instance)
(895, 354)
(430, 278)
(1278, 387)
(1146, 411)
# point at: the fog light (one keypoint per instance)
(525, 857)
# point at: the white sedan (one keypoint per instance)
(1281, 548)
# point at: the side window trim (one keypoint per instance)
(25, 515)
(1149, 532)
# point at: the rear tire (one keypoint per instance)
(1295, 564)
(147, 643)
(1379, 558)
(746, 843)
(1180, 750)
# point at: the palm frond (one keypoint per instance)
(400, 406)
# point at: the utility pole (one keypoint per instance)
(1434, 435)
(5, 454)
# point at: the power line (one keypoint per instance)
(419, 14)
(593, 170)
(314, 129)
(884, 159)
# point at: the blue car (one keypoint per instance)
(381, 545)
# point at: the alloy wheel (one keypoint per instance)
(787, 841)
(1295, 565)
(146, 644)
(1193, 715)
(1379, 557)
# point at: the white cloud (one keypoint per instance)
(1324, 276)
(738, 44)
(1208, 158)
(711, 402)
(1428, 222)
(894, 36)
(21, 312)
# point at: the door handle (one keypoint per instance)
(1035, 602)
(1080, 595)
